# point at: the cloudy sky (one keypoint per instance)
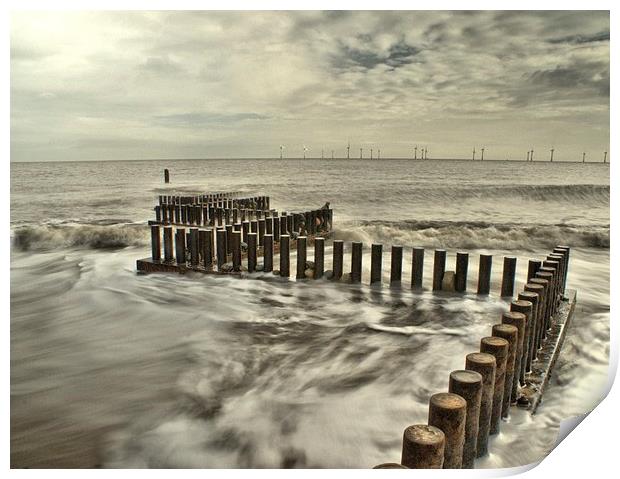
(130, 85)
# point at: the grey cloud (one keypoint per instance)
(398, 55)
(581, 39)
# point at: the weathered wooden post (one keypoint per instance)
(548, 297)
(468, 385)
(283, 223)
(565, 250)
(236, 250)
(553, 267)
(193, 246)
(302, 253)
(289, 223)
(423, 447)
(375, 263)
(251, 252)
(532, 297)
(319, 257)
(484, 364)
(532, 267)
(179, 245)
(498, 347)
(508, 276)
(268, 225)
(525, 308)
(245, 228)
(207, 248)
(285, 263)
(484, 273)
(168, 256)
(155, 243)
(356, 261)
(396, 266)
(439, 268)
(268, 253)
(221, 248)
(518, 320)
(261, 231)
(276, 228)
(337, 266)
(462, 260)
(417, 267)
(158, 213)
(448, 412)
(541, 333)
(166, 176)
(511, 334)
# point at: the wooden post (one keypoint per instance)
(417, 268)
(448, 412)
(375, 263)
(236, 250)
(252, 252)
(221, 248)
(548, 298)
(245, 228)
(158, 213)
(166, 176)
(484, 273)
(396, 268)
(532, 267)
(532, 297)
(468, 385)
(207, 251)
(168, 256)
(283, 224)
(261, 231)
(423, 447)
(519, 321)
(561, 259)
(565, 250)
(553, 267)
(301, 257)
(276, 228)
(541, 332)
(337, 261)
(508, 276)
(511, 334)
(193, 246)
(319, 257)
(484, 364)
(268, 253)
(498, 347)
(356, 262)
(462, 260)
(155, 243)
(179, 245)
(439, 268)
(285, 263)
(268, 225)
(289, 224)
(525, 308)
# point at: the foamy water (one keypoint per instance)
(117, 370)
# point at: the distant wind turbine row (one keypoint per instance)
(424, 153)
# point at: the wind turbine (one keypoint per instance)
(379, 154)
(371, 153)
(552, 150)
(415, 153)
(425, 153)
(532, 155)
(322, 153)
(332, 154)
(348, 149)
(473, 155)
(281, 148)
(482, 157)
(528, 155)
(305, 149)
(584, 157)
(605, 158)
(360, 153)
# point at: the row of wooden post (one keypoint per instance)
(221, 200)
(461, 420)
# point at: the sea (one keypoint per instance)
(111, 369)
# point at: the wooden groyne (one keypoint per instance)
(511, 369)
(225, 233)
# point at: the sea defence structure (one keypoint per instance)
(227, 233)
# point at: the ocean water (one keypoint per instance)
(112, 369)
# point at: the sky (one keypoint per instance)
(140, 85)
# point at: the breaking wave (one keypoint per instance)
(474, 234)
(98, 236)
